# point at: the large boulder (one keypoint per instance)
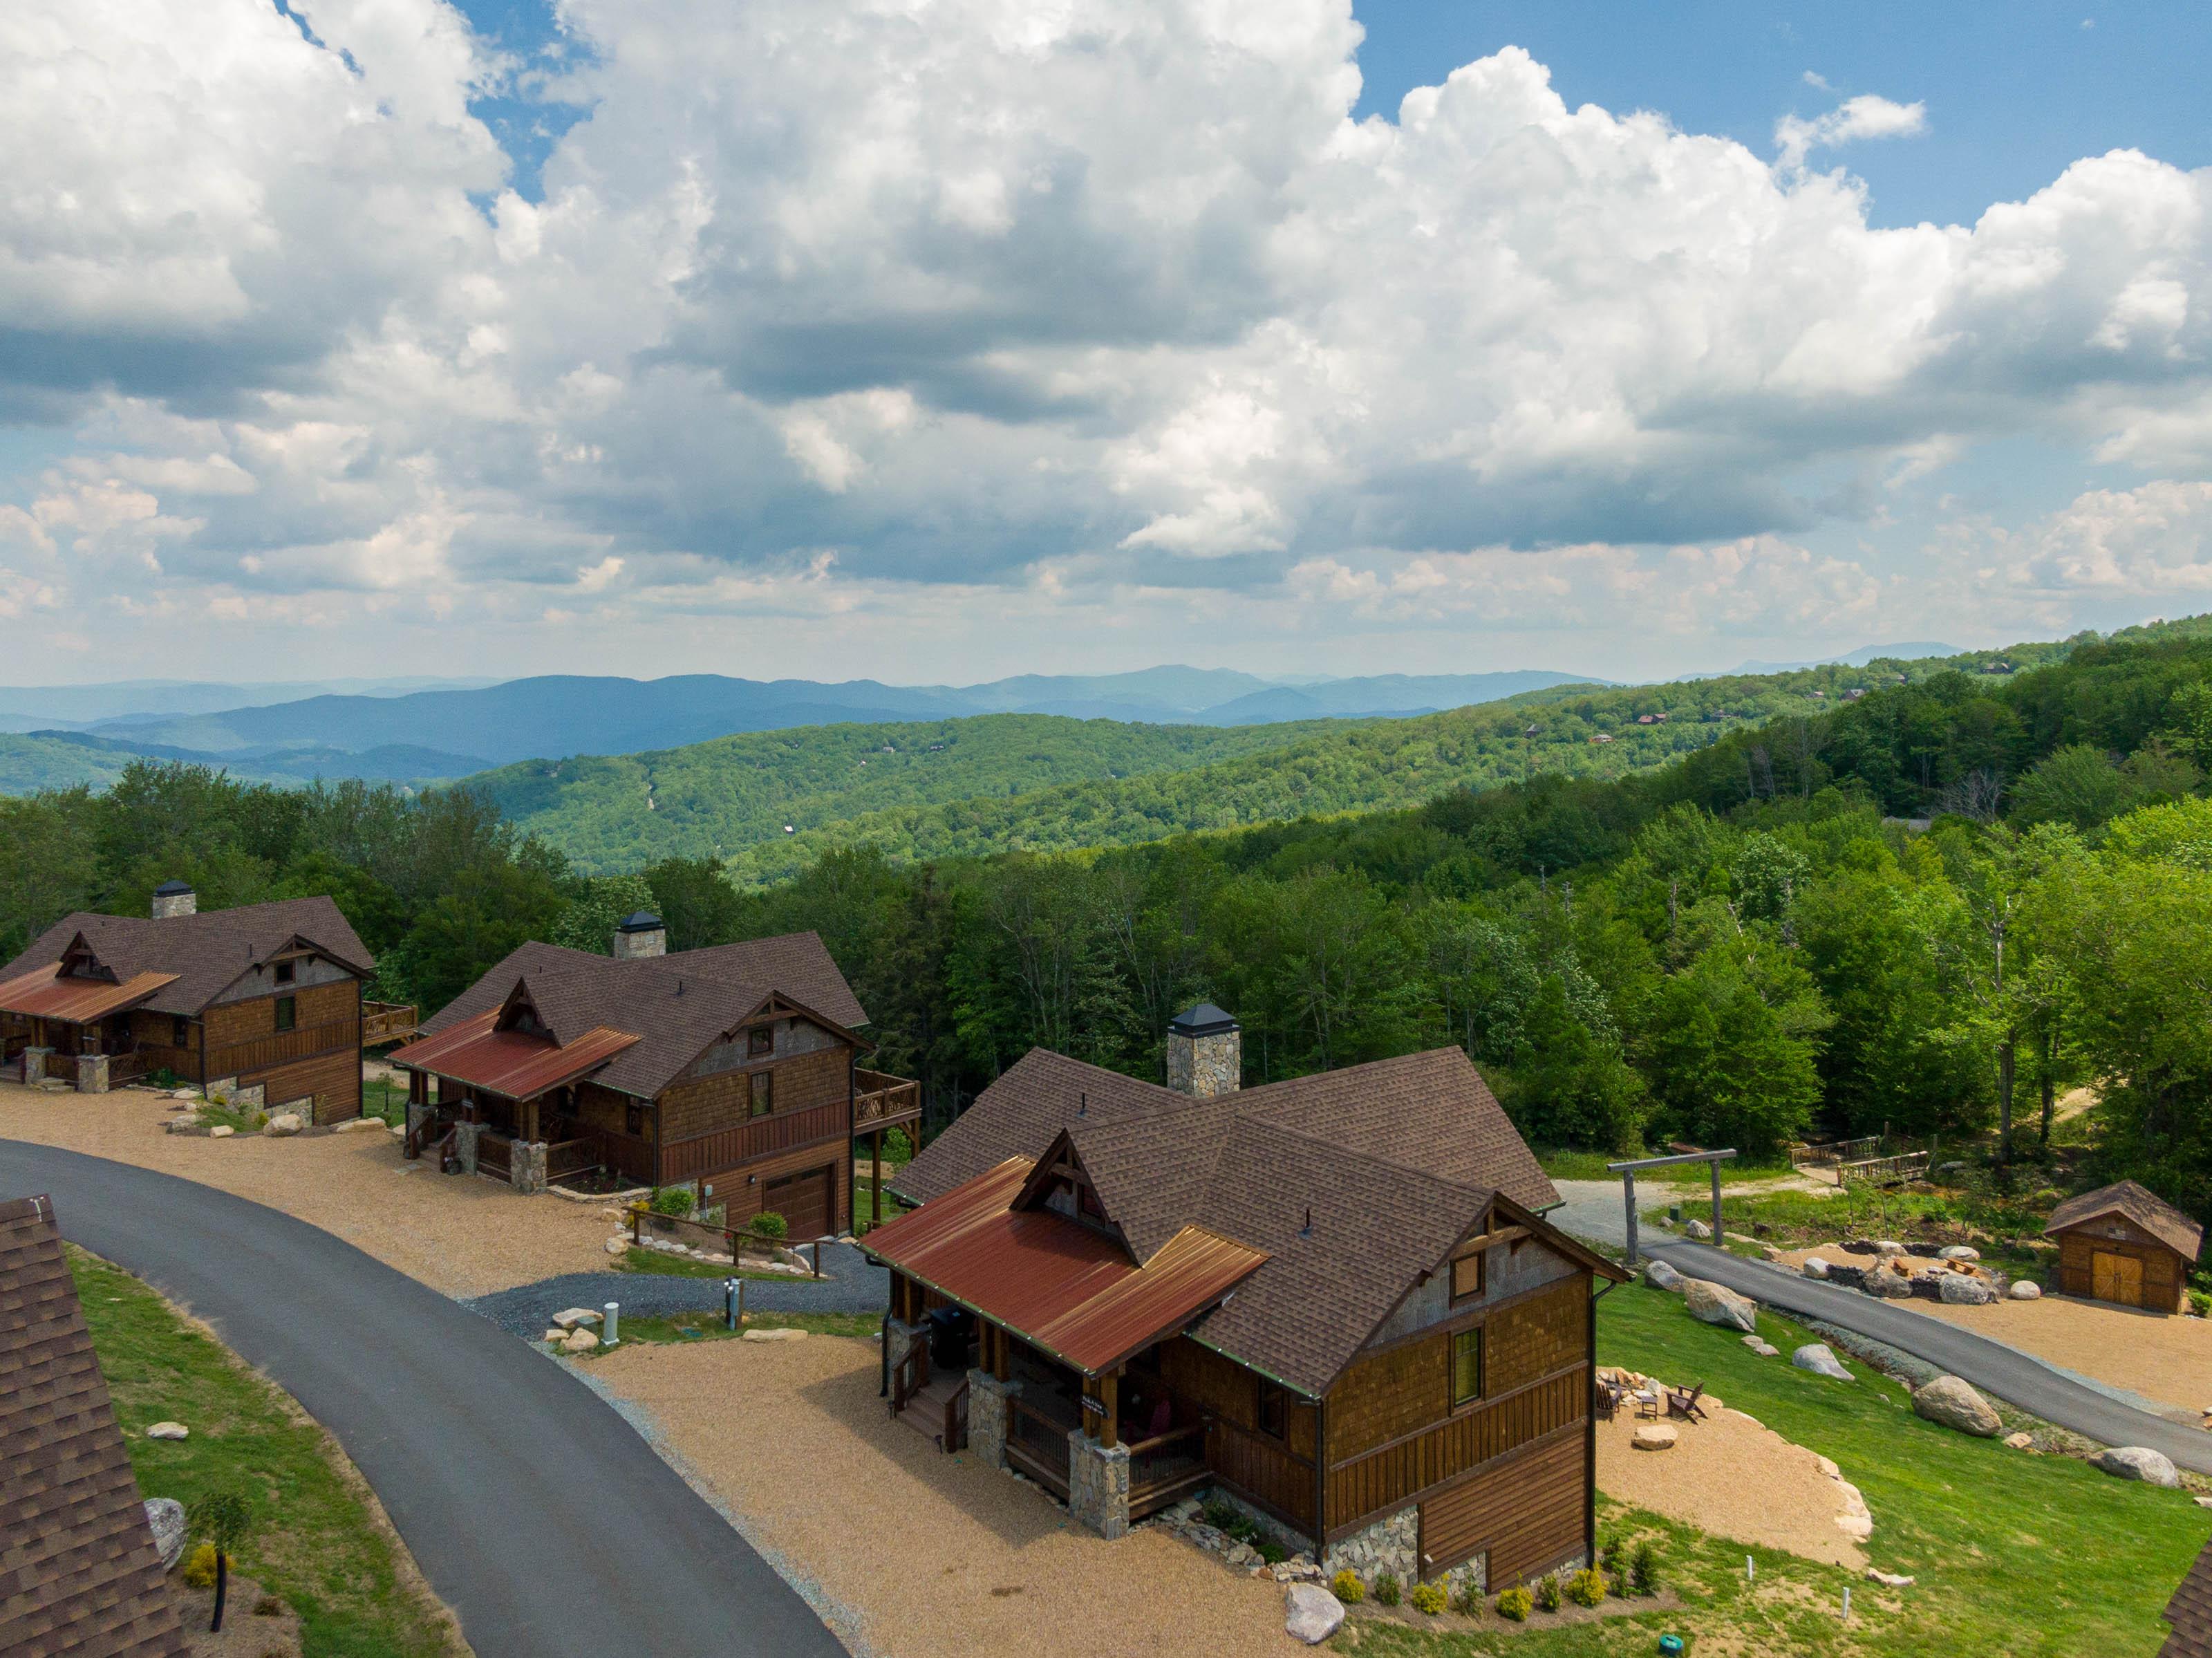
(165, 1518)
(2026, 1289)
(284, 1123)
(1887, 1248)
(1815, 1267)
(1887, 1286)
(1818, 1358)
(1713, 1303)
(1655, 1436)
(1697, 1230)
(2139, 1462)
(1950, 1403)
(1310, 1612)
(580, 1341)
(1958, 1252)
(1659, 1276)
(1958, 1289)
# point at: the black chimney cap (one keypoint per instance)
(171, 888)
(1204, 1019)
(639, 921)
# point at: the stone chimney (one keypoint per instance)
(1206, 1052)
(640, 934)
(174, 898)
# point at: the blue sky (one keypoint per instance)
(815, 337)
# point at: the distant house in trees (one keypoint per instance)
(2125, 1243)
(82, 1574)
(1332, 1301)
(734, 1067)
(264, 999)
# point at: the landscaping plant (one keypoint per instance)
(1467, 1600)
(1516, 1603)
(1586, 1588)
(1386, 1588)
(1643, 1568)
(770, 1224)
(1347, 1586)
(1548, 1594)
(676, 1200)
(224, 1519)
(1427, 1597)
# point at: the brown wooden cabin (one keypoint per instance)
(1332, 1301)
(262, 1000)
(2125, 1243)
(734, 1068)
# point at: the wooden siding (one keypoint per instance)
(706, 1155)
(332, 1081)
(1276, 1473)
(742, 1190)
(2164, 1273)
(1387, 1478)
(1525, 1512)
(1256, 1465)
(1535, 1337)
(242, 1036)
(704, 1105)
(151, 1034)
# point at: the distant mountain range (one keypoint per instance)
(391, 733)
(78, 707)
(1917, 650)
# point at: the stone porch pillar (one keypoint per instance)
(35, 1064)
(92, 1073)
(464, 1145)
(987, 1413)
(528, 1167)
(1097, 1481)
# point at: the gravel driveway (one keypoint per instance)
(849, 1284)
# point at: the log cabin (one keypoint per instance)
(2123, 1243)
(259, 1004)
(1332, 1301)
(733, 1068)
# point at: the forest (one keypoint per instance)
(1937, 910)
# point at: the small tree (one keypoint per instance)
(224, 1518)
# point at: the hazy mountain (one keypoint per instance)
(1917, 650)
(74, 707)
(554, 717)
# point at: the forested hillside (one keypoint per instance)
(735, 796)
(1935, 908)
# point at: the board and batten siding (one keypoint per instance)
(1277, 1474)
(1523, 1512)
(2164, 1273)
(318, 1057)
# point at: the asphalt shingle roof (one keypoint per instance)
(207, 952)
(2139, 1204)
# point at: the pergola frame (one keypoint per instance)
(1627, 1172)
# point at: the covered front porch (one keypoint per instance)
(76, 1028)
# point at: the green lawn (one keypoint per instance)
(862, 1200)
(380, 1097)
(707, 1325)
(1570, 1163)
(634, 1260)
(2015, 1556)
(315, 1544)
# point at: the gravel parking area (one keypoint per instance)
(460, 1235)
(2167, 1358)
(849, 1284)
(914, 1554)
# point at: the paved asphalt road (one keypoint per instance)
(534, 1509)
(1991, 1366)
(849, 1284)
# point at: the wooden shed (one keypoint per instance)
(2123, 1243)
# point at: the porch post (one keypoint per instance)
(1109, 1425)
(876, 1180)
(1714, 1166)
(1628, 1186)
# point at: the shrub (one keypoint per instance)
(1273, 1553)
(1218, 1515)
(1467, 1599)
(1345, 1586)
(770, 1224)
(1587, 1587)
(2200, 1302)
(675, 1200)
(897, 1148)
(1427, 1597)
(1516, 1603)
(1386, 1588)
(199, 1567)
(267, 1607)
(1548, 1594)
(1643, 1568)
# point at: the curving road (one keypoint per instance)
(1991, 1366)
(535, 1510)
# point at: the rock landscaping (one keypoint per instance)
(1817, 1357)
(1951, 1403)
(2139, 1462)
(168, 1430)
(1310, 1612)
(1713, 1303)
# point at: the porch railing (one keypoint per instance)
(883, 1099)
(495, 1156)
(1038, 1441)
(127, 1067)
(1166, 1464)
(61, 1067)
(385, 1021)
(710, 1153)
(567, 1159)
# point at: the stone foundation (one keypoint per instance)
(527, 1166)
(92, 1073)
(1097, 1484)
(225, 1091)
(1392, 1543)
(1292, 1540)
(900, 1339)
(987, 1416)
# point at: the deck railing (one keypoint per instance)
(495, 1156)
(126, 1067)
(883, 1099)
(1039, 1442)
(1167, 1459)
(387, 1022)
(61, 1067)
(566, 1159)
(1884, 1170)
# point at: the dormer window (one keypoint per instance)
(287, 972)
(760, 1041)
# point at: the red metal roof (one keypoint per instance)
(1053, 1281)
(44, 994)
(513, 1063)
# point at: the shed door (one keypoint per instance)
(803, 1200)
(2116, 1278)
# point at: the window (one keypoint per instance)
(1466, 1276)
(760, 1041)
(1467, 1367)
(180, 1032)
(288, 1012)
(1274, 1407)
(763, 1093)
(287, 972)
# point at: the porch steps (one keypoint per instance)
(925, 1408)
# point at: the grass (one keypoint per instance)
(2015, 1556)
(316, 1542)
(707, 1326)
(381, 1097)
(1571, 1163)
(863, 1189)
(212, 1115)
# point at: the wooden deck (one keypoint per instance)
(387, 1022)
(884, 1102)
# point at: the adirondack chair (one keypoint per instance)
(1683, 1402)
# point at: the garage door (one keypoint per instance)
(2116, 1278)
(1526, 1515)
(803, 1200)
